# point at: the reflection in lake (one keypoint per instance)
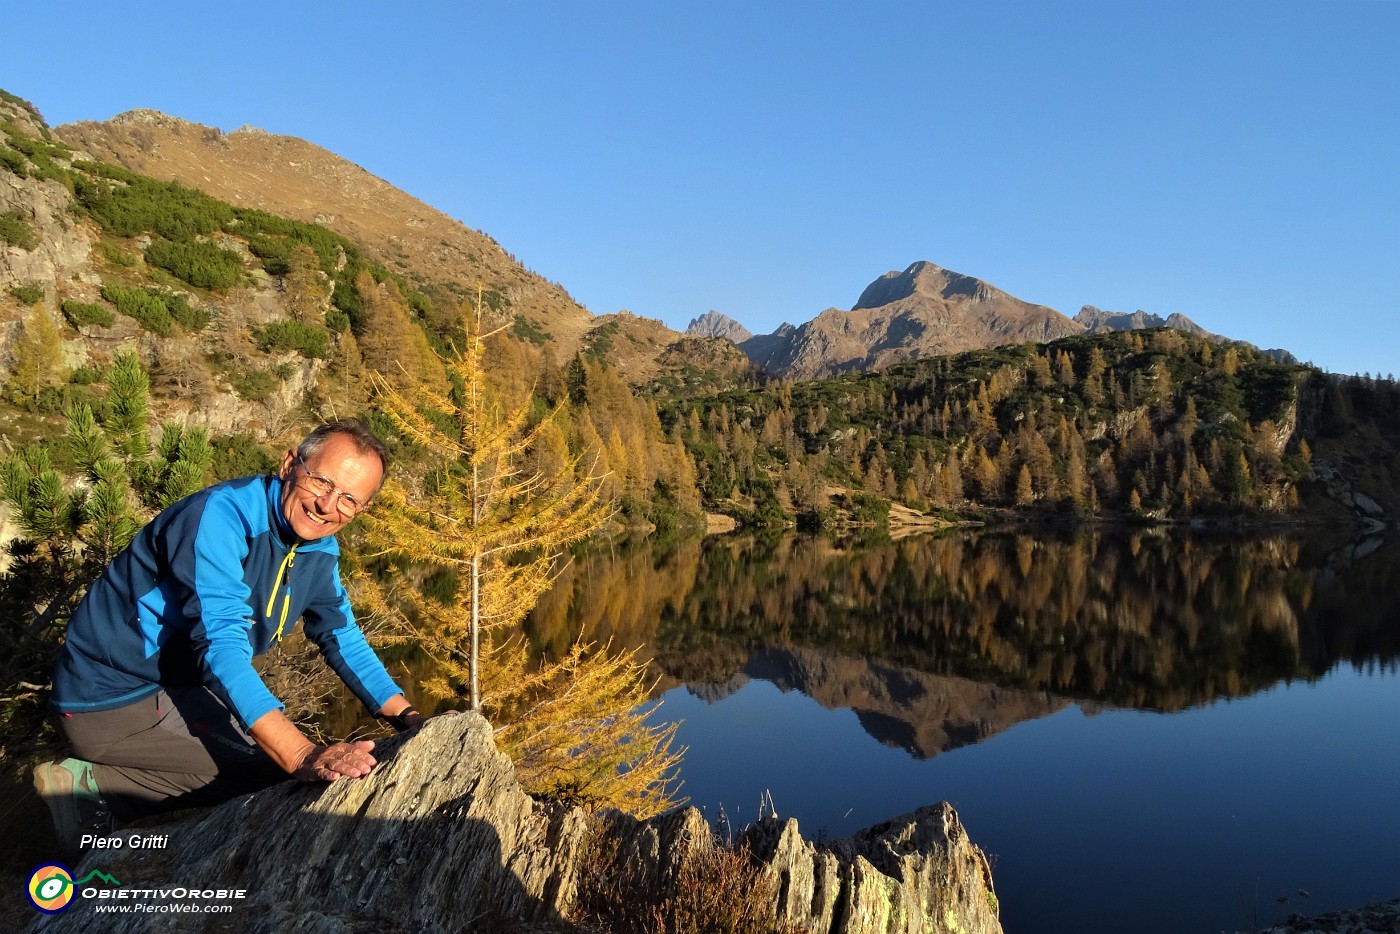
(998, 645)
(1150, 621)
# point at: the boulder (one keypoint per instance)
(441, 837)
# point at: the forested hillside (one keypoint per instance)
(1155, 425)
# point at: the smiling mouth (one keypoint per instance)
(315, 518)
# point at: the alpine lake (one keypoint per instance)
(1146, 730)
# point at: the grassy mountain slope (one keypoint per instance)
(294, 178)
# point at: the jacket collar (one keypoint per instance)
(274, 508)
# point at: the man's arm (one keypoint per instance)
(303, 759)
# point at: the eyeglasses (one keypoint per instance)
(347, 505)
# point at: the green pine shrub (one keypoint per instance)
(14, 162)
(157, 310)
(127, 204)
(81, 314)
(30, 293)
(310, 340)
(148, 309)
(16, 230)
(202, 264)
(253, 385)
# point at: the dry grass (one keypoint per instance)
(717, 889)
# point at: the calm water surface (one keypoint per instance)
(1145, 732)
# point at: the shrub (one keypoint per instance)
(148, 309)
(139, 204)
(254, 385)
(420, 304)
(117, 256)
(186, 315)
(87, 375)
(80, 314)
(30, 293)
(13, 161)
(275, 254)
(527, 330)
(715, 890)
(241, 455)
(15, 230)
(309, 340)
(347, 299)
(202, 264)
(264, 227)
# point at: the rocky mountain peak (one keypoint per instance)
(1096, 320)
(714, 324)
(924, 311)
(144, 116)
(923, 278)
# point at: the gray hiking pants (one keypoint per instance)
(169, 751)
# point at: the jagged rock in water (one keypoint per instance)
(441, 838)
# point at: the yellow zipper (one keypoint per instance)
(287, 597)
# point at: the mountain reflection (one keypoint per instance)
(938, 641)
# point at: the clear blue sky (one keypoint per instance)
(1233, 161)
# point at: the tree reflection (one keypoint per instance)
(1146, 619)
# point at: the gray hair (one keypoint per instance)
(365, 441)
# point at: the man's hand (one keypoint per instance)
(399, 714)
(340, 760)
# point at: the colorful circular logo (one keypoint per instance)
(51, 888)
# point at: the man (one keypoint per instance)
(155, 687)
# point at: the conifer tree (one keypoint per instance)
(305, 286)
(71, 527)
(390, 343)
(38, 355)
(575, 727)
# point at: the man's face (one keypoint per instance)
(339, 461)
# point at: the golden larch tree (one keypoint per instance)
(487, 514)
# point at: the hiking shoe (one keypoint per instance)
(70, 790)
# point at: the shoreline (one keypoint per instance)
(1376, 918)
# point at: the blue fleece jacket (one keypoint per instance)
(212, 581)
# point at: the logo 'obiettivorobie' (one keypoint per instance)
(51, 886)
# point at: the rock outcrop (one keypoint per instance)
(1337, 487)
(440, 838)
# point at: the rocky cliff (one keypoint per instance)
(67, 258)
(441, 838)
